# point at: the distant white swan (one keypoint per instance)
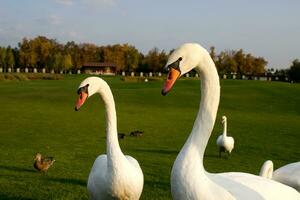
(113, 176)
(288, 174)
(224, 142)
(189, 179)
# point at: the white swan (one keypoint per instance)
(113, 176)
(189, 179)
(288, 174)
(224, 142)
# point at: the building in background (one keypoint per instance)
(99, 68)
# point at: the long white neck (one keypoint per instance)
(225, 128)
(112, 144)
(188, 173)
(210, 95)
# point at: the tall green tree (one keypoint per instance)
(131, 56)
(3, 58)
(67, 62)
(239, 58)
(153, 60)
(57, 61)
(294, 72)
(10, 58)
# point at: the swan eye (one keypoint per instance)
(175, 65)
(83, 89)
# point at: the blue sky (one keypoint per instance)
(267, 28)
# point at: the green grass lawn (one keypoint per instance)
(39, 116)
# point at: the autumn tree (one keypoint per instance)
(43, 52)
(226, 63)
(239, 58)
(155, 61)
(238, 62)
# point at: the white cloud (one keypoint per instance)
(65, 2)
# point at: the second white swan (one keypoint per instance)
(113, 176)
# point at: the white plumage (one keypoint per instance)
(113, 175)
(288, 174)
(224, 142)
(189, 179)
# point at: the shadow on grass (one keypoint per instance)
(210, 155)
(10, 197)
(70, 181)
(18, 169)
(159, 151)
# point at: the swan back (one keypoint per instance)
(289, 175)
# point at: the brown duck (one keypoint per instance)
(42, 164)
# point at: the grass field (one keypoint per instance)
(39, 116)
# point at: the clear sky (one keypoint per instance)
(267, 28)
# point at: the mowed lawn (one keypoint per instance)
(39, 116)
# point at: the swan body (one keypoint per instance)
(224, 142)
(288, 174)
(189, 179)
(113, 175)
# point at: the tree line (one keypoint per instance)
(41, 52)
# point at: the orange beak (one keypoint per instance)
(172, 77)
(81, 99)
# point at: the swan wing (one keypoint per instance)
(133, 161)
(97, 181)
(245, 186)
(220, 140)
(229, 143)
(137, 174)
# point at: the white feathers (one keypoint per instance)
(288, 174)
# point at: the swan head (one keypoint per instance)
(182, 60)
(224, 119)
(87, 88)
